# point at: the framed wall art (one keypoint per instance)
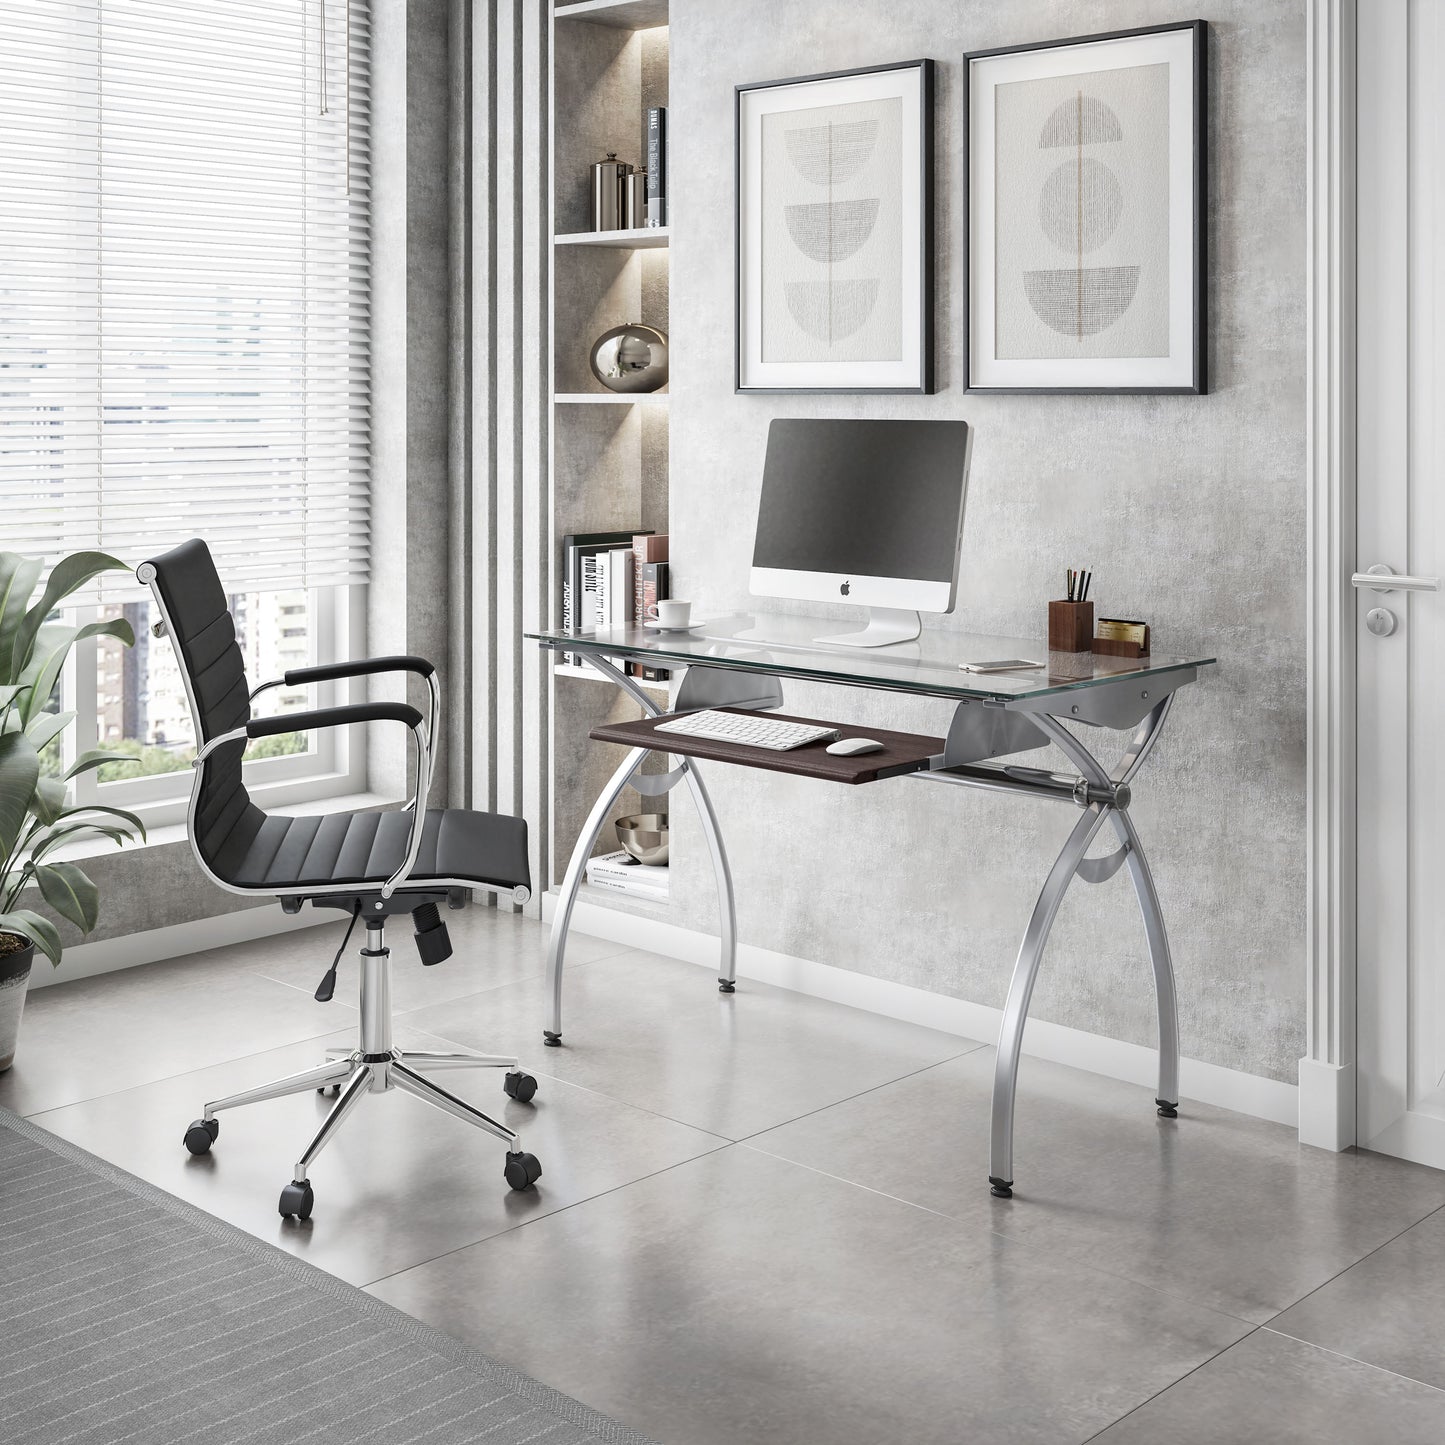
(835, 231)
(1084, 213)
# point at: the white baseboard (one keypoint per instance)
(1208, 1083)
(1326, 1104)
(85, 960)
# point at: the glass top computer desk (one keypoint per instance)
(998, 719)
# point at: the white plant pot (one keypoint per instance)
(14, 979)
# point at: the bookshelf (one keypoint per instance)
(609, 451)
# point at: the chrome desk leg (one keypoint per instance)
(726, 906)
(1164, 996)
(576, 868)
(1016, 1009)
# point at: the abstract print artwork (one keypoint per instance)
(834, 232)
(1085, 232)
(832, 266)
(1083, 215)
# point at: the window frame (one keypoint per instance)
(334, 765)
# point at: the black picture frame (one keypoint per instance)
(927, 383)
(1200, 229)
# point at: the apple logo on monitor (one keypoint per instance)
(846, 588)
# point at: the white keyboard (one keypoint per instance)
(752, 732)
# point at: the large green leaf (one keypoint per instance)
(47, 657)
(96, 758)
(49, 799)
(69, 574)
(75, 833)
(48, 726)
(18, 576)
(9, 692)
(77, 809)
(70, 893)
(34, 926)
(19, 772)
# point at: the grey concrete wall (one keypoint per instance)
(1190, 509)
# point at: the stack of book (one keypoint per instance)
(620, 872)
(610, 578)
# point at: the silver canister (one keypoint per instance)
(607, 192)
(634, 200)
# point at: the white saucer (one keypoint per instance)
(655, 626)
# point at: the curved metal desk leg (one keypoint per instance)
(1164, 995)
(726, 907)
(576, 867)
(1021, 988)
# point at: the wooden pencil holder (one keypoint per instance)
(1071, 626)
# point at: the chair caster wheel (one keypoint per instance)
(725, 985)
(1001, 1188)
(329, 1091)
(1167, 1110)
(201, 1135)
(519, 1086)
(296, 1200)
(522, 1170)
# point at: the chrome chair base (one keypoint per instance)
(373, 1068)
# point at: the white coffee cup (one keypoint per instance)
(669, 613)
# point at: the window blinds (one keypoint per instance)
(184, 283)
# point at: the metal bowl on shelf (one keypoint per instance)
(645, 836)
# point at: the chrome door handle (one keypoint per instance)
(1381, 579)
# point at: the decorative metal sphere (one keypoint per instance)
(630, 358)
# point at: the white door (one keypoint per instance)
(1401, 525)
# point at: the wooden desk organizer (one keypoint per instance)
(1108, 647)
(1071, 626)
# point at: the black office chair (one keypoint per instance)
(370, 864)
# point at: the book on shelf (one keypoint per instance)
(619, 872)
(657, 165)
(649, 584)
(579, 606)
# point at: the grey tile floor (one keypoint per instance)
(762, 1218)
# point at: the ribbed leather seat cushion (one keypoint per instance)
(370, 847)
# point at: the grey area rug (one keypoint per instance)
(127, 1315)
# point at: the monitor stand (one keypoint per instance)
(886, 625)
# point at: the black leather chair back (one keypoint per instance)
(204, 635)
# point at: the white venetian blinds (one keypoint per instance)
(184, 193)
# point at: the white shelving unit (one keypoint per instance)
(609, 449)
(643, 238)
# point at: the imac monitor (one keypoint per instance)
(863, 511)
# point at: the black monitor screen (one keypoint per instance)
(863, 498)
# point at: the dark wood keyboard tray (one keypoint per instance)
(902, 752)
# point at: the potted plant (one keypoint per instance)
(35, 816)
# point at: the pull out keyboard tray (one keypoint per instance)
(902, 752)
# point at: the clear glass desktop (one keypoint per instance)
(931, 665)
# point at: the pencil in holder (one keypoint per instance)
(1071, 626)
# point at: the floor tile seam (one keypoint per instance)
(1165, 1389)
(1269, 1323)
(1353, 1359)
(549, 1214)
(1019, 1243)
(170, 1078)
(861, 1094)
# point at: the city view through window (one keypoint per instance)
(141, 705)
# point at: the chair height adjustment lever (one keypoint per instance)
(327, 987)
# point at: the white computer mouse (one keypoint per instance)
(851, 747)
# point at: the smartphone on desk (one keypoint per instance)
(1004, 664)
